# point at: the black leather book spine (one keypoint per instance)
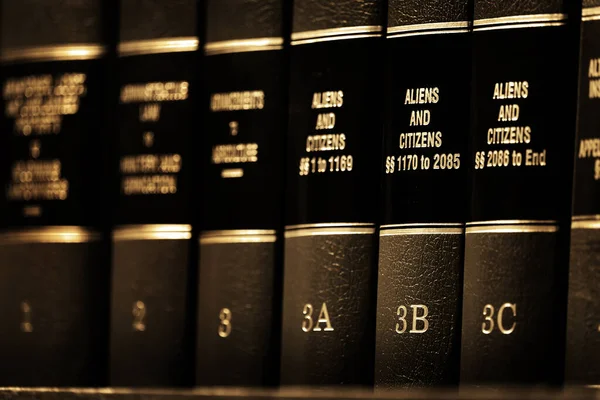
(333, 180)
(516, 249)
(53, 259)
(419, 296)
(239, 303)
(583, 318)
(153, 280)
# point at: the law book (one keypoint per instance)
(333, 181)
(583, 318)
(153, 279)
(240, 264)
(53, 256)
(425, 193)
(516, 248)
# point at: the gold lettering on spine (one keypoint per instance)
(326, 142)
(325, 121)
(503, 307)
(510, 135)
(153, 92)
(38, 104)
(423, 139)
(511, 90)
(307, 321)
(225, 323)
(236, 101)
(422, 96)
(590, 147)
(401, 313)
(26, 325)
(594, 82)
(236, 153)
(329, 99)
(323, 319)
(151, 174)
(139, 315)
(323, 323)
(487, 327)
(420, 324)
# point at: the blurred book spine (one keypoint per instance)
(583, 320)
(154, 281)
(242, 157)
(54, 266)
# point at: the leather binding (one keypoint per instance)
(333, 170)
(239, 303)
(153, 281)
(421, 241)
(583, 318)
(516, 248)
(54, 279)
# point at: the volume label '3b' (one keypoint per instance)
(420, 324)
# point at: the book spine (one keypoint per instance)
(54, 275)
(334, 147)
(425, 194)
(583, 319)
(153, 280)
(517, 239)
(240, 262)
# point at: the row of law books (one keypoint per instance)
(311, 192)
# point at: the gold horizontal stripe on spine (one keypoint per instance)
(50, 234)
(325, 35)
(152, 232)
(428, 29)
(512, 226)
(585, 217)
(585, 222)
(590, 14)
(420, 229)
(238, 236)
(520, 21)
(423, 225)
(589, 11)
(513, 222)
(329, 225)
(157, 46)
(329, 229)
(232, 173)
(243, 45)
(69, 52)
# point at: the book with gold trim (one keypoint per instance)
(425, 193)
(333, 178)
(516, 248)
(153, 280)
(239, 302)
(53, 256)
(583, 318)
